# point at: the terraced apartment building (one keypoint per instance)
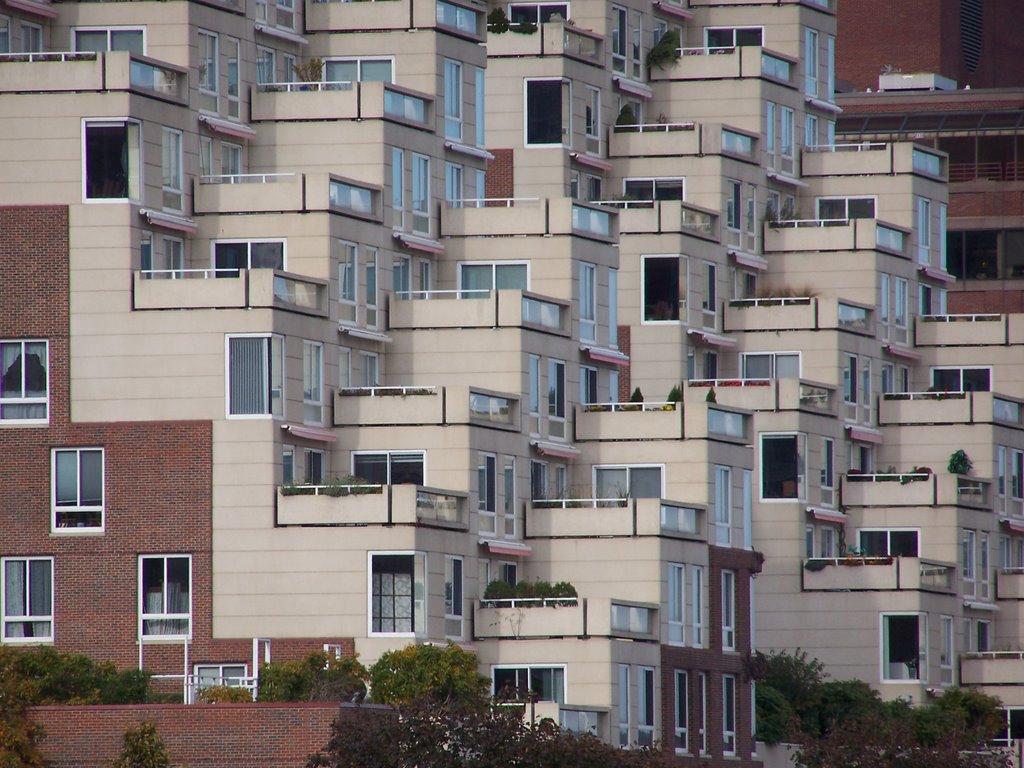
(320, 318)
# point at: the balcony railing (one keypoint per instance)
(49, 56)
(653, 127)
(340, 504)
(993, 171)
(208, 288)
(245, 178)
(858, 146)
(304, 86)
(561, 518)
(634, 407)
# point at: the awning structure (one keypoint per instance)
(980, 605)
(828, 106)
(602, 355)
(937, 274)
(749, 260)
(710, 339)
(281, 34)
(906, 354)
(310, 433)
(417, 243)
(780, 178)
(863, 434)
(362, 333)
(227, 127)
(1017, 526)
(503, 547)
(633, 87)
(168, 221)
(590, 162)
(556, 450)
(826, 515)
(672, 10)
(38, 9)
(466, 149)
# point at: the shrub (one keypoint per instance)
(143, 748)
(317, 677)
(426, 672)
(223, 694)
(664, 52)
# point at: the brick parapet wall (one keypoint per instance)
(201, 736)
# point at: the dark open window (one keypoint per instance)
(111, 160)
(546, 118)
(780, 467)
(661, 288)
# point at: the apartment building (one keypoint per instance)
(323, 317)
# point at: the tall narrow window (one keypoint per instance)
(452, 99)
(173, 194)
(77, 489)
(769, 137)
(702, 692)
(255, 376)
(723, 506)
(697, 601)
(556, 397)
(592, 119)
(165, 596)
(924, 230)
(786, 140)
(480, 113)
(946, 651)
(828, 471)
(811, 62)
(421, 193)
(728, 715)
(24, 381)
(619, 39)
(453, 184)
(231, 50)
(112, 163)
(265, 65)
(588, 302)
(397, 188)
(453, 601)
(209, 79)
(312, 382)
(676, 599)
(613, 313)
(728, 610)
(682, 711)
(624, 705)
(27, 606)
(370, 286)
(645, 706)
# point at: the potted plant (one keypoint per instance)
(960, 463)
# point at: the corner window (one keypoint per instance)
(77, 487)
(24, 382)
(132, 39)
(398, 593)
(548, 110)
(27, 607)
(664, 288)
(782, 466)
(904, 647)
(352, 197)
(535, 683)
(165, 596)
(359, 70)
(112, 160)
(390, 467)
(230, 256)
(255, 376)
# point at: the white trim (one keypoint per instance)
(77, 508)
(155, 638)
(628, 468)
(362, 333)
(466, 149)
(270, 393)
(138, 172)
(566, 137)
(28, 400)
(413, 553)
(281, 34)
(530, 667)
(4, 618)
(248, 252)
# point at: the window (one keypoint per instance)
(645, 706)
(31, 37)
(24, 382)
(456, 17)
(537, 13)
(401, 276)
(901, 293)
(453, 194)
(682, 710)
(556, 396)
(962, 379)
(353, 197)
(266, 65)
(623, 705)
(811, 62)
(314, 466)
(769, 136)
(77, 487)
(846, 208)
(676, 599)
(231, 675)
(728, 610)
(370, 285)
(984, 573)
(232, 49)
(27, 607)
(421, 193)
(811, 130)
(889, 543)
(538, 480)
(171, 169)
(370, 364)
(509, 491)
(588, 384)
(453, 602)
(165, 595)
(452, 100)
(255, 385)
(635, 50)
(588, 302)
(828, 542)
(664, 287)
(398, 187)
(487, 490)
(535, 683)
(112, 160)
(830, 73)
(359, 70)
(209, 79)
(710, 303)
(904, 647)
(619, 39)
(968, 542)
(312, 382)
(828, 461)
(771, 365)
(347, 271)
(653, 189)
(786, 139)
(728, 715)
(982, 635)
(592, 119)
(113, 39)
(697, 601)
(476, 279)
(390, 467)
(286, 14)
(534, 387)
(398, 593)
(924, 230)
(231, 256)
(635, 482)
(782, 466)
(480, 115)
(287, 464)
(702, 691)
(230, 159)
(723, 506)
(734, 191)
(5, 34)
(548, 112)
(730, 37)
(850, 380)
(613, 317)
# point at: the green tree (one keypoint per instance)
(798, 677)
(316, 677)
(447, 674)
(143, 748)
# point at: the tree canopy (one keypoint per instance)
(441, 674)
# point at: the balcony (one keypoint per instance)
(1010, 584)
(765, 394)
(872, 158)
(470, 309)
(228, 289)
(645, 216)
(949, 408)
(346, 505)
(855, 573)
(342, 16)
(771, 314)
(87, 71)
(378, 406)
(992, 668)
(915, 489)
(723, 63)
(250, 193)
(553, 38)
(530, 618)
(968, 330)
(342, 101)
(492, 217)
(629, 421)
(833, 235)
(658, 139)
(570, 518)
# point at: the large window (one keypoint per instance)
(398, 593)
(548, 111)
(312, 382)
(653, 188)
(389, 467)
(131, 39)
(904, 646)
(452, 99)
(535, 683)
(635, 482)
(112, 160)
(165, 596)
(255, 376)
(477, 279)
(730, 37)
(846, 208)
(77, 486)
(24, 381)
(358, 69)
(889, 543)
(782, 466)
(771, 365)
(664, 287)
(27, 599)
(229, 256)
(962, 379)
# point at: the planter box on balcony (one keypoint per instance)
(629, 425)
(925, 408)
(890, 492)
(771, 314)
(425, 407)
(992, 668)
(851, 574)
(1010, 585)
(653, 143)
(533, 621)
(954, 331)
(356, 509)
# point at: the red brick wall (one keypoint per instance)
(157, 481)
(203, 736)
(625, 378)
(995, 202)
(715, 663)
(500, 179)
(992, 301)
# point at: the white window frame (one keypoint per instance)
(5, 34)
(398, 188)
(202, 678)
(697, 605)
(419, 592)
(36, 32)
(723, 505)
(359, 61)
(811, 62)
(487, 490)
(389, 454)
(312, 382)
(729, 746)
(10, 619)
(454, 595)
(420, 203)
(164, 615)
(370, 363)
(233, 75)
(209, 87)
(79, 508)
(566, 135)
(801, 493)
(249, 243)
(268, 356)
(682, 711)
(923, 229)
(589, 385)
(772, 362)
(734, 30)
(453, 107)
(135, 180)
(22, 400)
(728, 610)
(702, 686)
(453, 188)
(675, 599)
(529, 669)
(266, 65)
(232, 159)
(588, 301)
(348, 279)
(646, 706)
(629, 475)
(172, 161)
(922, 647)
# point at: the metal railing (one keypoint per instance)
(665, 405)
(49, 56)
(395, 391)
(808, 223)
(496, 202)
(578, 503)
(463, 293)
(305, 87)
(189, 274)
(653, 127)
(858, 146)
(245, 178)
